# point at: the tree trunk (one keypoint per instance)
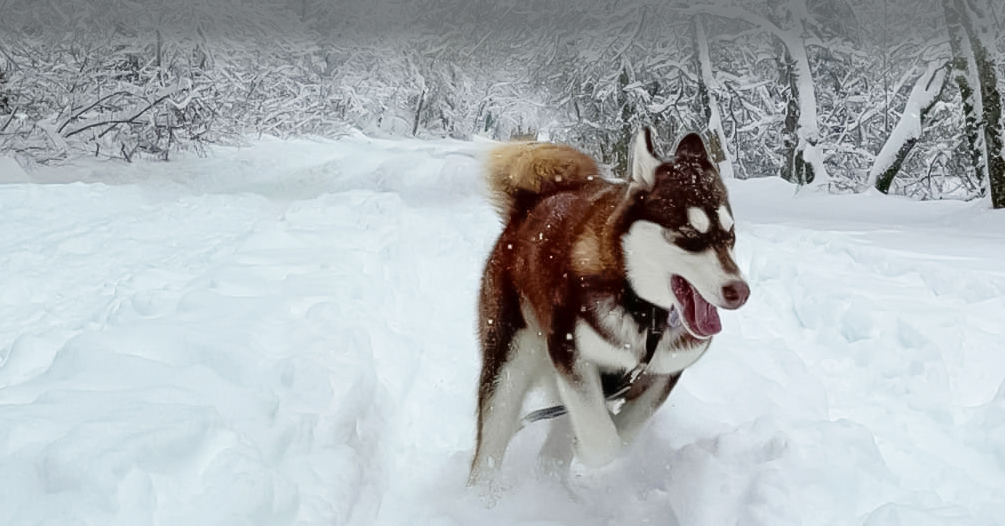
(983, 45)
(418, 112)
(708, 99)
(976, 77)
(905, 135)
(964, 75)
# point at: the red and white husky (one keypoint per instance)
(591, 279)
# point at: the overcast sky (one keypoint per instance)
(859, 21)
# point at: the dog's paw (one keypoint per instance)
(486, 486)
(598, 452)
(554, 467)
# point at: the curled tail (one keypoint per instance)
(520, 173)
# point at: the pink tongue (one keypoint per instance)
(706, 316)
(701, 317)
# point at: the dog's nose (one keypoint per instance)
(735, 294)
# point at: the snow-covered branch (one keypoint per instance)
(905, 135)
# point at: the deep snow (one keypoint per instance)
(284, 334)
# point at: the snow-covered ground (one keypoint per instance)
(284, 334)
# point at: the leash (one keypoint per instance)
(653, 335)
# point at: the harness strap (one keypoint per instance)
(653, 335)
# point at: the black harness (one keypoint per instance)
(614, 391)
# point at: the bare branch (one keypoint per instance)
(114, 123)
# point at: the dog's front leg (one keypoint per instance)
(579, 387)
(645, 397)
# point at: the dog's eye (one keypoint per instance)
(689, 232)
(686, 238)
(684, 233)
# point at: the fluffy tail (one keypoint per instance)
(520, 173)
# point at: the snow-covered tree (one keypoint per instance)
(973, 58)
(807, 89)
(788, 23)
(804, 161)
(708, 100)
(927, 89)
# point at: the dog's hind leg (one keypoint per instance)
(504, 377)
(645, 397)
(499, 408)
(556, 453)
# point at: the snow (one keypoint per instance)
(284, 334)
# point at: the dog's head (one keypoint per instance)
(678, 247)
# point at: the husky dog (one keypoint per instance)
(592, 279)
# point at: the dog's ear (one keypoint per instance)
(692, 146)
(644, 159)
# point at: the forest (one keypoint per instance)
(898, 95)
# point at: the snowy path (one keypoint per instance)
(284, 334)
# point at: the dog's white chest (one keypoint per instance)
(628, 347)
(591, 346)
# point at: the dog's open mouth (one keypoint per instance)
(701, 318)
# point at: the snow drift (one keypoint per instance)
(284, 334)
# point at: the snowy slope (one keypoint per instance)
(284, 334)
